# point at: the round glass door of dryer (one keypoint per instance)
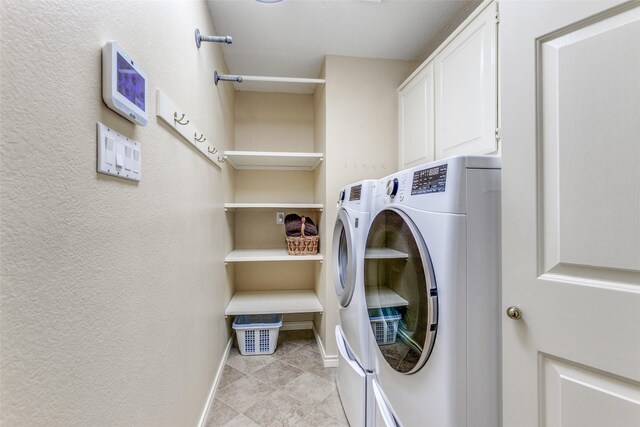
(344, 262)
(400, 290)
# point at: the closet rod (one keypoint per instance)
(213, 39)
(239, 79)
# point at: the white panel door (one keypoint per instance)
(570, 75)
(466, 90)
(417, 120)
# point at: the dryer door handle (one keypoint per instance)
(346, 354)
(389, 419)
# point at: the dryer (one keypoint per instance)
(349, 236)
(432, 288)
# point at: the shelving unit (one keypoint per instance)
(270, 181)
(381, 297)
(384, 253)
(273, 160)
(273, 302)
(283, 206)
(267, 255)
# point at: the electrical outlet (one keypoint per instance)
(279, 217)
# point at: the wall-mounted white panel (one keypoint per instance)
(118, 155)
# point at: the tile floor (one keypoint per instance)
(288, 388)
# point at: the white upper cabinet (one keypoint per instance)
(466, 90)
(417, 119)
(449, 106)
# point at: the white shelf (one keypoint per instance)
(270, 160)
(309, 206)
(272, 302)
(384, 253)
(381, 297)
(261, 255)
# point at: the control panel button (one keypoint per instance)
(392, 187)
(432, 180)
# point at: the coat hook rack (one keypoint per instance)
(179, 120)
(167, 111)
(214, 39)
(239, 79)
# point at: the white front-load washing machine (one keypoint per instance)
(432, 287)
(349, 236)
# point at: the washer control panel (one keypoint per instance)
(355, 192)
(432, 180)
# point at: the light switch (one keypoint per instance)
(118, 155)
(136, 160)
(128, 157)
(109, 151)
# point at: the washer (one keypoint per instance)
(354, 209)
(432, 287)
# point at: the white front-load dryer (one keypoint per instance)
(432, 286)
(354, 209)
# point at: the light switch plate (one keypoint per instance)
(118, 155)
(279, 217)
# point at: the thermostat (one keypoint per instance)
(124, 84)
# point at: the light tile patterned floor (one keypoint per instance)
(288, 388)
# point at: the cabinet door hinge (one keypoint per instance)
(498, 134)
(497, 16)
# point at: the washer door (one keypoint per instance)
(401, 292)
(344, 262)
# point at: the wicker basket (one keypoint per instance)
(303, 245)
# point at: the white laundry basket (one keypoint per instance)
(257, 333)
(384, 324)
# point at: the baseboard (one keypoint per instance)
(296, 326)
(328, 361)
(216, 381)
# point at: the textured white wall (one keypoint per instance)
(112, 293)
(361, 137)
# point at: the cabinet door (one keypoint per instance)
(466, 93)
(417, 120)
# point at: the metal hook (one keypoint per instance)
(200, 138)
(222, 160)
(214, 151)
(179, 120)
(215, 39)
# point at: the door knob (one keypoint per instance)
(514, 313)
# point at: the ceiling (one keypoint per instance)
(292, 37)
